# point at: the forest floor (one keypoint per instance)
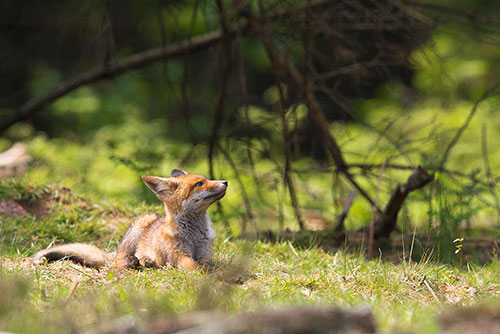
(402, 295)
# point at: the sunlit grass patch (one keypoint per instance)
(405, 296)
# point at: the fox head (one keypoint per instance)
(186, 192)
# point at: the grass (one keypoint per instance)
(271, 275)
(63, 297)
(105, 164)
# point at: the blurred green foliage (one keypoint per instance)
(99, 139)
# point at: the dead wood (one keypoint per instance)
(386, 222)
(294, 320)
(477, 319)
(291, 320)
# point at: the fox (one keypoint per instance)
(181, 239)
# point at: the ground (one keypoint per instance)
(404, 295)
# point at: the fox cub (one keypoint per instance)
(182, 239)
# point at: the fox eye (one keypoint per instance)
(198, 184)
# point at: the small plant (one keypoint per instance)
(459, 245)
(16, 189)
(452, 213)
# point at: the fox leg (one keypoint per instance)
(186, 262)
(129, 261)
(126, 252)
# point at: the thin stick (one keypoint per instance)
(374, 211)
(282, 62)
(464, 126)
(486, 160)
(424, 280)
(72, 291)
(244, 195)
(219, 109)
(175, 50)
(339, 225)
(288, 160)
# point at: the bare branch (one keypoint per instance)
(135, 61)
(138, 60)
(219, 110)
(287, 67)
(386, 222)
(464, 126)
(244, 195)
(339, 223)
(374, 212)
(288, 159)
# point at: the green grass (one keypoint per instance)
(248, 276)
(268, 276)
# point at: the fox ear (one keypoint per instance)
(177, 172)
(162, 187)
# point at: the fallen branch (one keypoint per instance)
(314, 320)
(292, 320)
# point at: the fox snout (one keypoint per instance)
(223, 183)
(217, 192)
(224, 186)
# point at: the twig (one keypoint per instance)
(284, 64)
(288, 160)
(174, 50)
(374, 211)
(424, 281)
(464, 126)
(473, 17)
(488, 183)
(484, 150)
(72, 291)
(339, 225)
(491, 186)
(244, 94)
(246, 200)
(381, 133)
(219, 110)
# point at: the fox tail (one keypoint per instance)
(87, 255)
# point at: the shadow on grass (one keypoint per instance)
(396, 249)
